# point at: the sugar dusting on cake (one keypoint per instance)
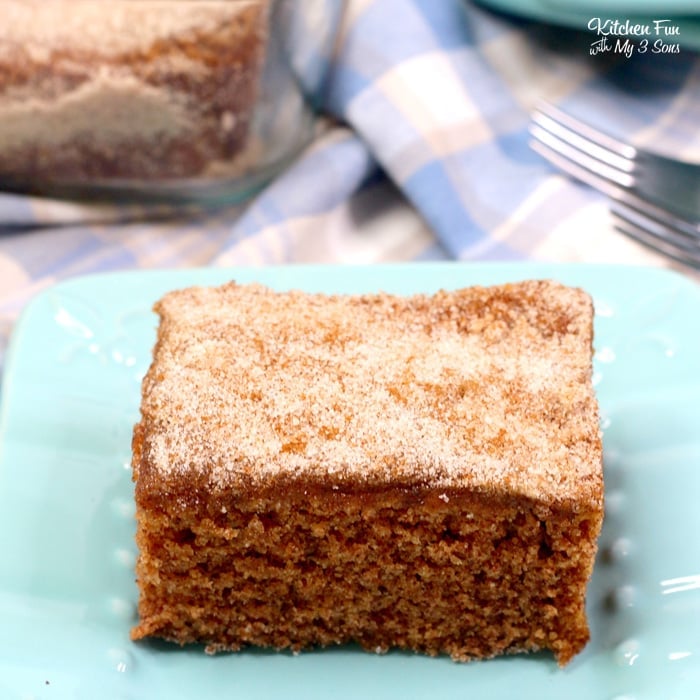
(475, 388)
(105, 27)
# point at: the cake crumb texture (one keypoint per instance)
(421, 472)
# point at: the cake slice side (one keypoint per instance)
(451, 573)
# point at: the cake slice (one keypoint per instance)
(92, 92)
(417, 472)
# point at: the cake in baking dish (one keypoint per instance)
(420, 472)
(125, 89)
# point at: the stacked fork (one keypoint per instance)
(654, 199)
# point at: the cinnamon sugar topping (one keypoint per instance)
(485, 388)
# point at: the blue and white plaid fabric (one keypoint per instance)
(426, 157)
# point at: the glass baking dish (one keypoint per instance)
(171, 100)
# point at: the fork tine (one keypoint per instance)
(617, 168)
(590, 171)
(656, 235)
(609, 166)
(687, 232)
(625, 152)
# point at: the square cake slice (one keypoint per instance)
(419, 472)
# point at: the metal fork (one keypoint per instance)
(655, 200)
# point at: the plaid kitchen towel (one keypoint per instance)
(437, 96)
(429, 106)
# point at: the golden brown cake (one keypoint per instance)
(134, 89)
(419, 472)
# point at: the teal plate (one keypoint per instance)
(67, 591)
(576, 14)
